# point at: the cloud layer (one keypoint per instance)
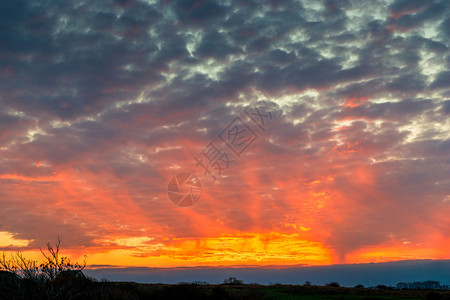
(101, 104)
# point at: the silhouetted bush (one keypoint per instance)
(55, 278)
(53, 266)
(9, 283)
(359, 286)
(333, 284)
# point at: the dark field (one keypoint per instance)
(192, 291)
(82, 288)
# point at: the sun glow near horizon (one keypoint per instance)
(199, 133)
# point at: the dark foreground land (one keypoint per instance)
(83, 288)
(186, 291)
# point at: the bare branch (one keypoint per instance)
(53, 265)
(7, 264)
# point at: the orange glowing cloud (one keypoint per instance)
(355, 102)
(354, 169)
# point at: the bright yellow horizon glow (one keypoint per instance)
(238, 250)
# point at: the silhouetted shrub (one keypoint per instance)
(113, 291)
(52, 267)
(9, 284)
(359, 286)
(55, 265)
(333, 284)
(55, 278)
(69, 286)
(307, 283)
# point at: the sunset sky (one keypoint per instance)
(103, 102)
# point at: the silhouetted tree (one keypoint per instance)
(232, 280)
(55, 265)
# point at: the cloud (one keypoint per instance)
(101, 104)
(441, 80)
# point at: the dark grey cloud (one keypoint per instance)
(415, 13)
(121, 91)
(198, 13)
(404, 6)
(391, 111)
(441, 81)
(446, 107)
(215, 45)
